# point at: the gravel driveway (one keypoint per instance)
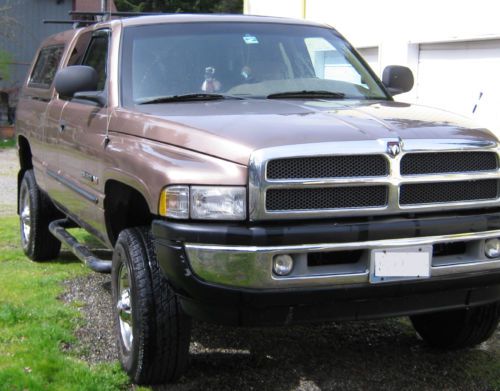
(385, 355)
(335, 356)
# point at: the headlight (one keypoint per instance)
(203, 202)
(218, 203)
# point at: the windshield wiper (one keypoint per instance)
(187, 98)
(316, 94)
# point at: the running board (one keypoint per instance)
(58, 228)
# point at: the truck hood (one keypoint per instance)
(233, 129)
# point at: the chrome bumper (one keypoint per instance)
(251, 266)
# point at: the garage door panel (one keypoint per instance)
(454, 75)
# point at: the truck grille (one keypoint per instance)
(442, 192)
(326, 198)
(422, 175)
(328, 167)
(448, 162)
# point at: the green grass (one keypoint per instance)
(34, 325)
(8, 143)
(486, 368)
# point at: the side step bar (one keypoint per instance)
(58, 228)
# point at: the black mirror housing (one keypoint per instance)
(76, 78)
(97, 97)
(397, 79)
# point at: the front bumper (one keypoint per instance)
(223, 272)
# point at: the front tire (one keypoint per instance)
(153, 332)
(458, 329)
(36, 212)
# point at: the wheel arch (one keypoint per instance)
(25, 162)
(125, 206)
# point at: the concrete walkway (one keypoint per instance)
(9, 167)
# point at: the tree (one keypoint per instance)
(177, 6)
(229, 6)
(5, 61)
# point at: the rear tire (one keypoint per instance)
(153, 332)
(36, 212)
(458, 329)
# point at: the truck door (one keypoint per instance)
(83, 128)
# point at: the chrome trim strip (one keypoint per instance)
(396, 181)
(259, 184)
(386, 243)
(464, 268)
(448, 145)
(85, 194)
(251, 266)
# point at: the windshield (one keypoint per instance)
(248, 60)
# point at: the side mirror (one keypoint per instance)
(397, 79)
(76, 78)
(97, 97)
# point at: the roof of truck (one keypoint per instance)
(187, 18)
(59, 38)
(65, 36)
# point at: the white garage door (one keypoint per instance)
(371, 57)
(455, 75)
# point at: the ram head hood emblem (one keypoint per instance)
(393, 148)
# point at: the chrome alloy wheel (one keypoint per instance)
(25, 215)
(124, 307)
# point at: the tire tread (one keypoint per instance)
(164, 329)
(458, 329)
(42, 245)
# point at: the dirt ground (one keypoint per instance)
(385, 355)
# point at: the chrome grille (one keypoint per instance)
(448, 162)
(328, 167)
(442, 192)
(327, 198)
(366, 178)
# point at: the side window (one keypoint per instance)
(96, 56)
(46, 67)
(80, 48)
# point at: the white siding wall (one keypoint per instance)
(370, 54)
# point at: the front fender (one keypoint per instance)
(149, 166)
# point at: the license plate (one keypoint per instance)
(407, 263)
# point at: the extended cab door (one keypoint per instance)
(35, 108)
(82, 141)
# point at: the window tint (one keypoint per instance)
(80, 48)
(46, 66)
(247, 59)
(96, 57)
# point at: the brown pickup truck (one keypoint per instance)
(254, 171)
